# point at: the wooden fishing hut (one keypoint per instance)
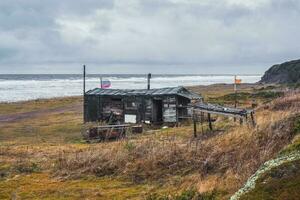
(161, 105)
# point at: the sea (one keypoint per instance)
(23, 87)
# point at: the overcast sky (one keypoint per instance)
(139, 36)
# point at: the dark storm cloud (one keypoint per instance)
(139, 35)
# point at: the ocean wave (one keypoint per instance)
(18, 88)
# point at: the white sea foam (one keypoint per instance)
(18, 88)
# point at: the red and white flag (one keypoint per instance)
(105, 84)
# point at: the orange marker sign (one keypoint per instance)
(237, 81)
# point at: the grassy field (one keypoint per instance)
(43, 156)
(38, 105)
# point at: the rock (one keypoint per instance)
(288, 72)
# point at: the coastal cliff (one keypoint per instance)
(285, 73)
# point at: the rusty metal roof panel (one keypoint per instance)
(181, 91)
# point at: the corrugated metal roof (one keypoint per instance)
(152, 92)
(221, 109)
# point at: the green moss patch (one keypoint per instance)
(280, 183)
(243, 97)
(42, 186)
(189, 194)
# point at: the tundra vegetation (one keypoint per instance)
(43, 156)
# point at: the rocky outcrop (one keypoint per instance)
(288, 72)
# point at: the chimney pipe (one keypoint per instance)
(149, 77)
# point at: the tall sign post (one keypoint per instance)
(236, 82)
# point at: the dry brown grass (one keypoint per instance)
(38, 105)
(291, 101)
(223, 162)
(170, 158)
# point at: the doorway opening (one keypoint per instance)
(157, 110)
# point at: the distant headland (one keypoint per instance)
(285, 73)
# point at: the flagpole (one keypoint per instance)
(101, 82)
(235, 94)
(84, 101)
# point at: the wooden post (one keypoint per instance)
(209, 122)
(252, 119)
(235, 99)
(195, 124)
(241, 121)
(195, 128)
(235, 95)
(201, 120)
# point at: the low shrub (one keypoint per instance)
(26, 167)
(267, 94)
(129, 146)
(190, 194)
(4, 171)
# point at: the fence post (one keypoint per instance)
(209, 122)
(195, 124)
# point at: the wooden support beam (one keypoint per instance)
(201, 120)
(209, 122)
(195, 128)
(219, 113)
(220, 110)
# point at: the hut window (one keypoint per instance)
(130, 118)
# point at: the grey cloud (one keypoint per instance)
(134, 35)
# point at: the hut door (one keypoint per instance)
(92, 108)
(157, 110)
